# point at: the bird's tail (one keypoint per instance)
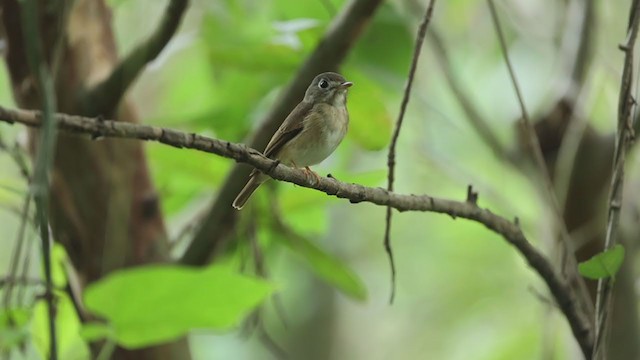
(254, 181)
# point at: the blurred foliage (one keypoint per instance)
(13, 327)
(457, 282)
(68, 324)
(325, 265)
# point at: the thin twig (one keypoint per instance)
(105, 96)
(45, 151)
(511, 232)
(623, 140)
(538, 158)
(391, 159)
(535, 148)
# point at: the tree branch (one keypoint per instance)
(105, 96)
(330, 52)
(510, 231)
(623, 140)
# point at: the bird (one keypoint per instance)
(311, 132)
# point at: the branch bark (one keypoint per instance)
(510, 231)
(327, 56)
(623, 140)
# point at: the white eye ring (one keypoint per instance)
(323, 84)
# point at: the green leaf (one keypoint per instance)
(327, 267)
(603, 265)
(154, 304)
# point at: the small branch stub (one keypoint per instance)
(472, 196)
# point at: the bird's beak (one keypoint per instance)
(346, 84)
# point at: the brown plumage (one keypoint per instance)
(311, 132)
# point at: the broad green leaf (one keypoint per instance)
(94, 331)
(327, 267)
(370, 123)
(603, 265)
(154, 304)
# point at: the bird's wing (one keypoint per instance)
(290, 127)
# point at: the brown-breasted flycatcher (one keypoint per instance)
(311, 132)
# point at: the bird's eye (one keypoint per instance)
(323, 84)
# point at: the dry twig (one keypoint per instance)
(391, 160)
(623, 140)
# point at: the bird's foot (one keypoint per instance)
(311, 173)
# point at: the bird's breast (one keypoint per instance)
(324, 128)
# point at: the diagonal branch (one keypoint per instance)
(328, 55)
(105, 96)
(623, 140)
(510, 231)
